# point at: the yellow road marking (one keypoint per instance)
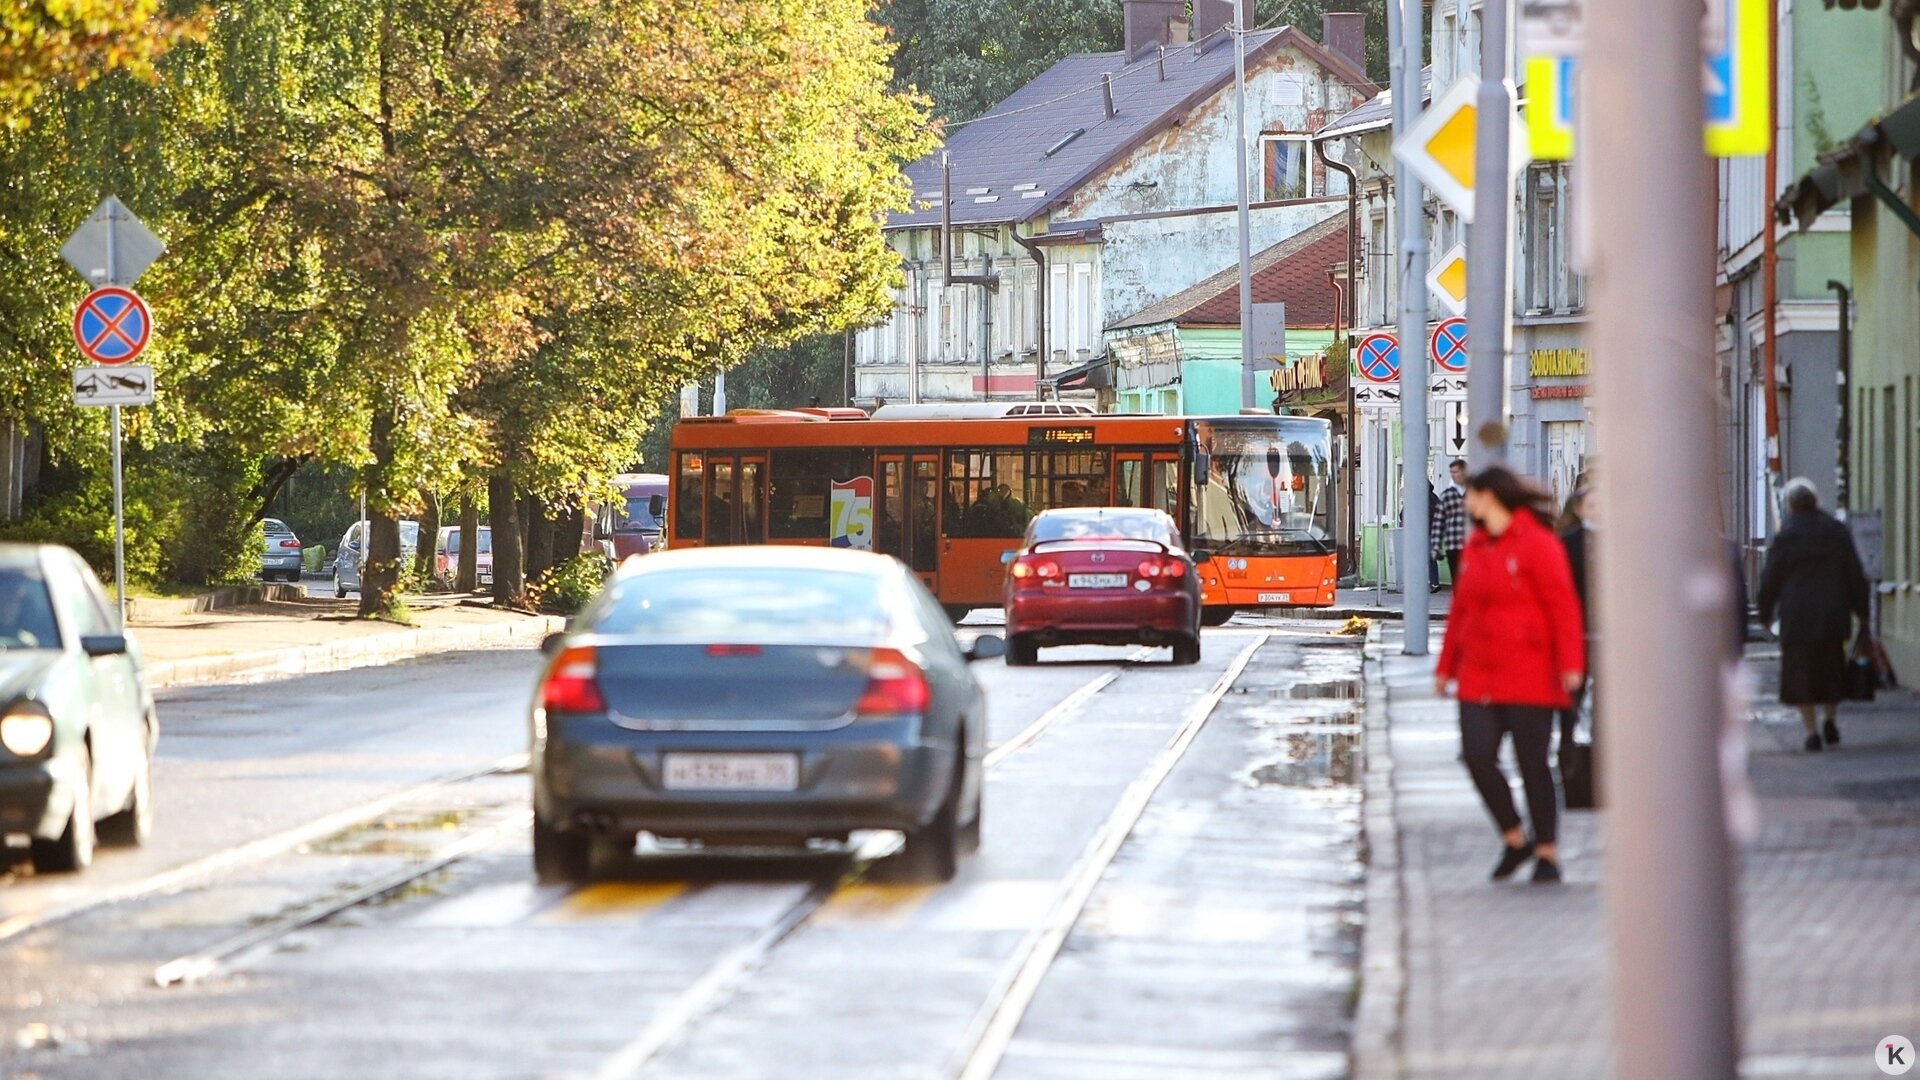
(868, 902)
(611, 900)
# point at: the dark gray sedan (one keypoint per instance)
(755, 696)
(77, 725)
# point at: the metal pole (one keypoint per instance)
(1410, 199)
(1665, 583)
(1843, 433)
(1489, 239)
(1241, 11)
(119, 525)
(119, 513)
(720, 394)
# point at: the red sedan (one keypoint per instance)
(1106, 576)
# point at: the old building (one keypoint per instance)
(1865, 182)
(1182, 354)
(1103, 186)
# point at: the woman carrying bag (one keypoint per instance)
(1515, 651)
(1814, 583)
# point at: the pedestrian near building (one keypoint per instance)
(1514, 653)
(1448, 530)
(1814, 583)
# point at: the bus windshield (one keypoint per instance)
(1262, 486)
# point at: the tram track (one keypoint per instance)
(234, 952)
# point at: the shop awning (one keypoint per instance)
(1095, 374)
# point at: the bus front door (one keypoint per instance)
(907, 514)
(1147, 478)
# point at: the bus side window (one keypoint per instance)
(687, 503)
(720, 496)
(1129, 493)
(1165, 491)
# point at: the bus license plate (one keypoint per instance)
(1097, 581)
(1276, 598)
(733, 772)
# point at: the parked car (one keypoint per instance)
(1101, 576)
(281, 557)
(77, 724)
(446, 559)
(637, 523)
(346, 563)
(759, 695)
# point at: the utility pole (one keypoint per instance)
(1665, 577)
(1489, 243)
(1242, 10)
(1403, 36)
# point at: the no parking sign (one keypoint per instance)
(1449, 344)
(1378, 358)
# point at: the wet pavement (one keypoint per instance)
(1215, 934)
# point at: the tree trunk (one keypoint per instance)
(569, 533)
(503, 512)
(380, 569)
(467, 578)
(539, 537)
(426, 554)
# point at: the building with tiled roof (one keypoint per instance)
(1109, 178)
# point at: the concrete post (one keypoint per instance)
(1664, 576)
(1409, 199)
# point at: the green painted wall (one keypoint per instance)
(1839, 76)
(1211, 373)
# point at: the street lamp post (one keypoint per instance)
(1664, 573)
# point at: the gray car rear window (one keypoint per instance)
(26, 610)
(745, 602)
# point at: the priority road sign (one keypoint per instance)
(128, 384)
(1449, 343)
(1440, 147)
(112, 325)
(1379, 358)
(113, 247)
(1448, 279)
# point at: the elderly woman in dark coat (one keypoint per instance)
(1814, 582)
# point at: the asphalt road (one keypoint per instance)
(1169, 885)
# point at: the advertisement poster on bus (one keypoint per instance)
(851, 511)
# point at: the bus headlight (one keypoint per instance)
(26, 730)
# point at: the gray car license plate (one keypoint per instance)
(1097, 581)
(732, 772)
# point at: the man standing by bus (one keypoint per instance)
(1448, 530)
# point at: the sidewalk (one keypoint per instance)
(313, 634)
(1466, 978)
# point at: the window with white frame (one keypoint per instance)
(1083, 316)
(1549, 284)
(1286, 165)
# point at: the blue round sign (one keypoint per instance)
(1450, 346)
(1378, 358)
(112, 325)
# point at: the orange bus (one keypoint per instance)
(1255, 495)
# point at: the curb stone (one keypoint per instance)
(1377, 1020)
(369, 651)
(226, 596)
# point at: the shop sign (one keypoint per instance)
(1558, 364)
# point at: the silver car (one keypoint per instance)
(346, 563)
(77, 726)
(281, 557)
(756, 695)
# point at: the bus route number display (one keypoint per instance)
(1060, 436)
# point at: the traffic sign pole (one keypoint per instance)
(1405, 46)
(1490, 288)
(119, 504)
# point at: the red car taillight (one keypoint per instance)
(895, 685)
(573, 683)
(1163, 569)
(290, 543)
(1030, 568)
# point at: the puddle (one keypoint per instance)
(393, 836)
(1339, 690)
(1311, 760)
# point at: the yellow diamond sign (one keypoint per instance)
(1440, 146)
(1448, 279)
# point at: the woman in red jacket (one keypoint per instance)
(1514, 652)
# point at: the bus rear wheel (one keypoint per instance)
(1217, 616)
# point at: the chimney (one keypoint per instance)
(1212, 18)
(1149, 23)
(1345, 33)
